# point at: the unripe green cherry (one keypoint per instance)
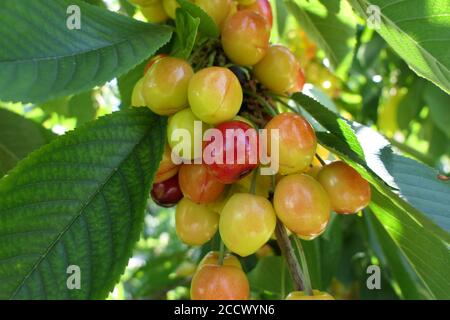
(215, 95)
(217, 9)
(178, 141)
(245, 38)
(170, 6)
(278, 70)
(246, 223)
(155, 12)
(137, 98)
(195, 224)
(165, 85)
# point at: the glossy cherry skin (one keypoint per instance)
(198, 184)
(215, 95)
(302, 204)
(137, 98)
(167, 169)
(245, 38)
(167, 193)
(238, 145)
(348, 191)
(246, 223)
(212, 258)
(263, 8)
(278, 70)
(317, 295)
(296, 142)
(195, 224)
(213, 282)
(155, 12)
(170, 6)
(217, 9)
(152, 61)
(165, 85)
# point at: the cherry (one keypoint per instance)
(262, 7)
(185, 146)
(217, 9)
(246, 223)
(167, 193)
(246, 2)
(198, 184)
(240, 74)
(167, 169)
(137, 98)
(214, 282)
(195, 224)
(245, 38)
(170, 6)
(155, 12)
(235, 155)
(297, 142)
(302, 204)
(348, 191)
(153, 60)
(279, 70)
(212, 258)
(215, 95)
(317, 295)
(165, 85)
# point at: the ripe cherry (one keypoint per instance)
(215, 95)
(155, 12)
(348, 191)
(279, 70)
(167, 169)
(296, 142)
(198, 184)
(262, 7)
(214, 282)
(195, 224)
(170, 6)
(137, 98)
(165, 85)
(246, 223)
(317, 295)
(302, 204)
(245, 38)
(185, 141)
(217, 9)
(152, 61)
(167, 193)
(232, 154)
(212, 258)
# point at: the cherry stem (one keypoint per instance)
(288, 252)
(283, 280)
(322, 162)
(266, 105)
(221, 252)
(253, 183)
(301, 253)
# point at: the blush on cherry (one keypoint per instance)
(167, 193)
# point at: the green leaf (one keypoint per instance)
(330, 24)
(82, 107)
(418, 31)
(439, 104)
(207, 25)
(57, 61)
(411, 104)
(79, 200)
(267, 276)
(127, 82)
(187, 27)
(19, 137)
(428, 255)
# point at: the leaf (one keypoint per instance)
(439, 104)
(427, 253)
(19, 137)
(81, 106)
(330, 24)
(418, 31)
(187, 27)
(56, 61)
(127, 82)
(79, 200)
(207, 25)
(411, 104)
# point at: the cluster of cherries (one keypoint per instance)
(243, 206)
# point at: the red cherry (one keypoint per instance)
(239, 144)
(167, 193)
